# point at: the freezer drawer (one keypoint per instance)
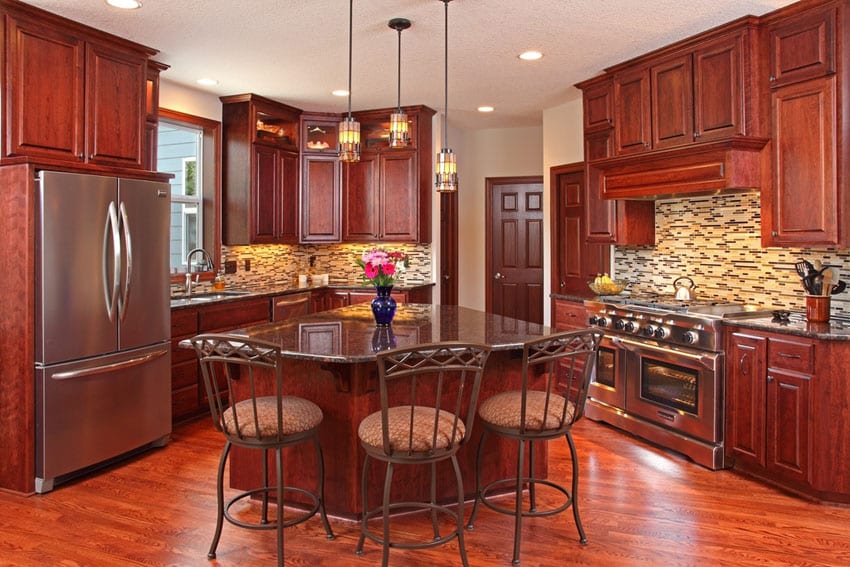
(93, 410)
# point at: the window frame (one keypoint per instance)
(210, 178)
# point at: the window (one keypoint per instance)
(187, 148)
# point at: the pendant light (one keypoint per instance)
(349, 128)
(446, 170)
(399, 135)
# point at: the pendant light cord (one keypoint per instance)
(350, 44)
(398, 104)
(446, 93)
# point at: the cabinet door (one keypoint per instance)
(719, 89)
(802, 47)
(320, 199)
(43, 96)
(788, 425)
(115, 106)
(569, 315)
(399, 209)
(598, 145)
(671, 85)
(287, 229)
(265, 196)
(631, 112)
(336, 299)
(802, 207)
(361, 199)
(598, 106)
(745, 399)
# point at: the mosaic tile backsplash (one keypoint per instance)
(716, 241)
(281, 264)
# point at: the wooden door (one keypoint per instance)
(320, 199)
(399, 211)
(745, 404)
(802, 207)
(514, 271)
(719, 89)
(115, 106)
(44, 92)
(672, 109)
(265, 198)
(360, 199)
(632, 133)
(287, 230)
(574, 262)
(448, 249)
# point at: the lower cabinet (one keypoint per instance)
(568, 315)
(769, 382)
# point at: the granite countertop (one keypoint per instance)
(349, 334)
(232, 294)
(836, 329)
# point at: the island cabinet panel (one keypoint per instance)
(808, 122)
(259, 171)
(72, 93)
(787, 418)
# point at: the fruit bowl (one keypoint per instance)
(612, 287)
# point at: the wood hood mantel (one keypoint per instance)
(732, 164)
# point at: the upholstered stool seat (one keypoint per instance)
(505, 410)
(418, 438)
(298, 415)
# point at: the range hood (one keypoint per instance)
(729, 165)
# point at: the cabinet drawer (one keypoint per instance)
(184, 374)
(570, 315)
(184, 402)
(791, 355)
(287, 306)
(180, 354)
(184, 322)
(233, 315)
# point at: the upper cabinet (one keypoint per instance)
(259, 171)
(72, 93)
(806, 202)
(321, 183)
(386, 196)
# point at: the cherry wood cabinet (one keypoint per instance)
(321, 197)
(152, 113)
(259, 171)
(632, 124)
(786, 410)
(568, 315)
(325, 299)
(806, 204)
(72, 93)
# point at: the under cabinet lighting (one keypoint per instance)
(125, 4)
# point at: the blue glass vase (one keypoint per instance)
(383, 306)
(383, 338)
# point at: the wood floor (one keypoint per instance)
(640, 505)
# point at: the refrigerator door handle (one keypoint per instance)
(111, 229)
(107, 368)
(124, 298)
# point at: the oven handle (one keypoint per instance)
(707, 360)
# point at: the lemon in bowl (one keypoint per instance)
(604, 285)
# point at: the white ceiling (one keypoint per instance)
(296, 51)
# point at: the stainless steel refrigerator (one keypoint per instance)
(103, 381)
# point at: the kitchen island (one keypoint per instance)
(331, 361)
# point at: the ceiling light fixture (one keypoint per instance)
(340, 92)
(349, 128)
(399, 135)
(207, 82)
(485, 109)
(530, 55)
(125, 4)
(446, 170)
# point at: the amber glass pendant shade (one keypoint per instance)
(446, 175)
(399, 130)
(349, 140)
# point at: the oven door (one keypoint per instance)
(608, 384)
(675, 387)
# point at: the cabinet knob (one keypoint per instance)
(696, 135)
(769, 378)
(81, 156)
(646, 144)
(772, 79)
(563, 284)
(774, 233)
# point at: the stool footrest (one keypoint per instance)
(527, 513)
(271, 492)
(378, 512)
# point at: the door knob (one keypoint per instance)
(446, 277)
(563, 284)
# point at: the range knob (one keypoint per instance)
(648, 331)
(602, 321)
(620, 325)
(631, 327)
(593, 320)
(661, 333)
(690, 337)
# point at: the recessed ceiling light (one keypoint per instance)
(125, 4)
(207, 82)
(340, 92)
(530, 55)
(485, 109)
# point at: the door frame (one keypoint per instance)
(490, 183)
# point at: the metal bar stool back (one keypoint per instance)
(245, 388)
(429, 395)
(556, 373)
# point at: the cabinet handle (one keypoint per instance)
(741, 362)
(789, 355)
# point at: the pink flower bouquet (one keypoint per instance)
(380, 268)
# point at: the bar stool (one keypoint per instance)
(556, 371)
(421, 422)
(244, 385)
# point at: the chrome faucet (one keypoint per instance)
(207, 265)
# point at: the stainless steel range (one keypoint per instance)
(660, 371)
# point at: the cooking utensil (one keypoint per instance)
(826, 282)
(839, 287)
(802, 268)
(684, 292)
(809, 283)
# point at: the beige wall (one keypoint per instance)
(503, 152)
(191, 101)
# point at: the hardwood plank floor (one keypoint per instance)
(641, 506)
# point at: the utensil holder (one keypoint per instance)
(817, 308)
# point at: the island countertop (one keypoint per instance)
(349, 334)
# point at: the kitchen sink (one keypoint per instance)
(209, 296)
